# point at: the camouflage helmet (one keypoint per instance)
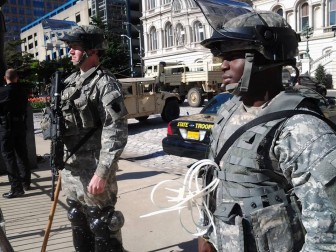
(265, 32)
(89, 36)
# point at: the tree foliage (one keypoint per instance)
(320, 75)
(38, 74)
(115, 57)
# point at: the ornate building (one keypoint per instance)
(315, 21)
(173, 34)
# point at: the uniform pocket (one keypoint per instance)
(272, 229)
(86, 114)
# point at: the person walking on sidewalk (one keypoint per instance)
(273, 150)
(13, 113)
(92, 99)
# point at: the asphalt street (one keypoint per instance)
(144, 145)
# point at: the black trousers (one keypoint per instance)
(14, 152)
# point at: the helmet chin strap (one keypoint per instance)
(248, 69)
(244, 82)
(82, 59)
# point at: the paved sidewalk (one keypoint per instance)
(26, 217)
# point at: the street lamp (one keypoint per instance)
(307, 32)
(131, 53)
(140, 44)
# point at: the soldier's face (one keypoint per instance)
(232, 67)
(76, 53)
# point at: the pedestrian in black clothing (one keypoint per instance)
(13, 109)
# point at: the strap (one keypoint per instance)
(80, 143)
(90, 133)
(263, 119)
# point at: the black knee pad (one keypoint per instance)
(113, 219)
(75, 214)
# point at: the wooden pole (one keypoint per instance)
(51, 214)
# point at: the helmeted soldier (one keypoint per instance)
(274, 149)
(92, 100)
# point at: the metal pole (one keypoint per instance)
(131, 53)
(140, 45)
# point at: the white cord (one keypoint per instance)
(186, 197)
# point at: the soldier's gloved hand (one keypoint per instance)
(96, 185)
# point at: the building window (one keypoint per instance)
(280, 12)
(177, 6)
(169, 35)
(304, 16)
(180, 35)
(191, 4)
(78, 18)
(151, 4)
(332, 13)
(166, 1)
(153, 39)
(198, 32)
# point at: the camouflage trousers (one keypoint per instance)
(76, 177)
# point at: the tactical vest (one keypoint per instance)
(77, 100)
(255, 209)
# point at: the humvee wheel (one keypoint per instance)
(141, 118)
(195, 98)
(170, 111)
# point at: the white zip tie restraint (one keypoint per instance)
(188, 194)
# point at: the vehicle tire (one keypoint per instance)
(195, 98)
(142, 118)
(170, 111)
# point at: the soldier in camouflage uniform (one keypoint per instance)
(276, 188)
(92, 99)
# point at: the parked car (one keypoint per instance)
(189, 136)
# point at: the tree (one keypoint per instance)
(115, 58)
(320, 75)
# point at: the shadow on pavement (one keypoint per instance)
(184, 246)
(137, 175)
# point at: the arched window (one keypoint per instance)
(177, 6)
(304, 16)
(280, 12)
(151, 4)
(168, 35)
(152, 39)
(180, 35)
(332, 12)
(198, 32)
(191, 4)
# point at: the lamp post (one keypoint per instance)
(131, 53)
(307, 32)
(140, 45)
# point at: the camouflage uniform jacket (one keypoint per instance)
(94, 100)
(276, 190)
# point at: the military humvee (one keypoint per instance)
(143, 99)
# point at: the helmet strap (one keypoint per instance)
(248, 69)
(82, 59)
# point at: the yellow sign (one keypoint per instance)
(203, 126)
(182, 124)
